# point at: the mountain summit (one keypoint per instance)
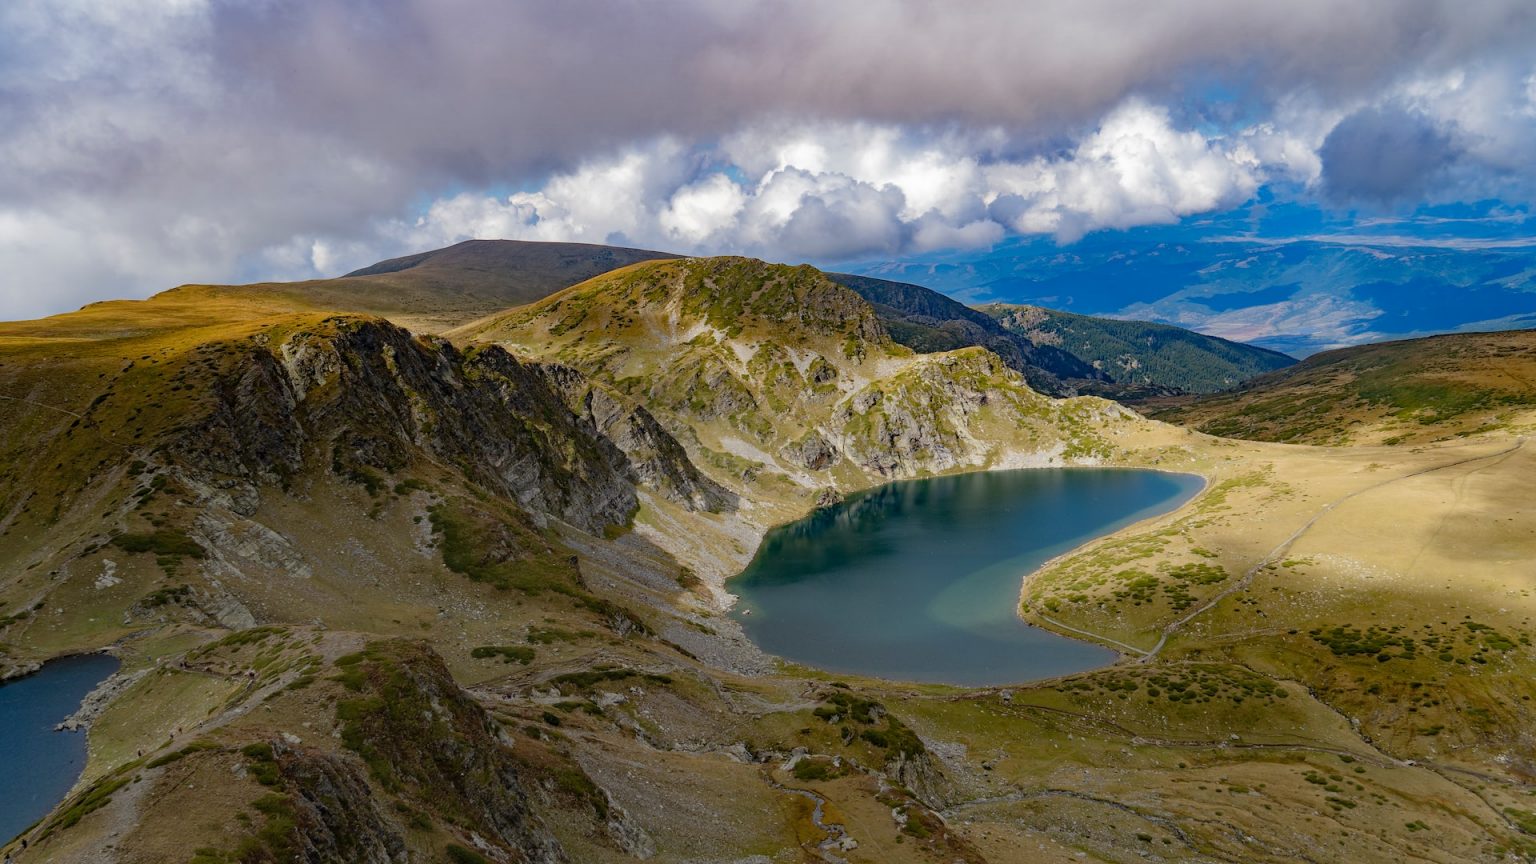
(444, 288)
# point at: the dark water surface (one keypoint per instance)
(38, 765)
(919, 580)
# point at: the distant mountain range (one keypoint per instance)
(1061, 353)
(1297, 294)
(1139, 357)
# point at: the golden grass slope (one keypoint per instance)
(1411, 391)
(1387, 586)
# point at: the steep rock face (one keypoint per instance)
(424, 737)
(337, 818)
(927, 322)
(659, 461)
(923, 418)
(367, 396)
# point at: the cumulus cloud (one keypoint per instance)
(1135, 169)
(834, 192)
(699, 211)
(472, 85)
(146, 142)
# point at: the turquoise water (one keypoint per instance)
(919, 580)
(40, 765)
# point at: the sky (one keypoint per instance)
(149, 143)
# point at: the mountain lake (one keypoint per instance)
(919, 580)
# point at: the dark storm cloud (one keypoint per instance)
(145, 142)
(1384, 156)
(474, 87)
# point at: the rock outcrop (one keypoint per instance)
(659, 461)
(336, 816)
(421, 734)
(368, 397)
(922, 418)
(813, 451)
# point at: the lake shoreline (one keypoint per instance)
(1028, 576)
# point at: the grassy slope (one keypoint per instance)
(88, 392)
(1098, 764)
(1395, 392)
(1366, 576)
(1141, 353)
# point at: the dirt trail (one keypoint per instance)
(87, 421)
(1280, 551)
(41, 405)
(835, 832)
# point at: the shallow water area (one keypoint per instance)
(41, 764)
(919, 580)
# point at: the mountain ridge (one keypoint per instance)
(928, 321)
(1141, 354)
(777, 377)
(444, 289)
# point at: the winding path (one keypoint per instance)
(88, 422)
(42, 405)
(835, 832)
(1278, 552)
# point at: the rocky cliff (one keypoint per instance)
(366, 396)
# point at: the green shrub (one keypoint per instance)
(166, 596)
(809, 770)
(508, 653)
(460, 855)
(164, 542)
